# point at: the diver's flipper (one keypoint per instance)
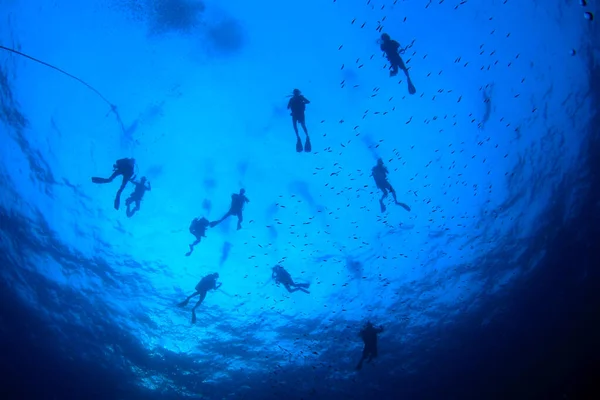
(405, 206)
(117, 203)
(411, 87)
(307, 145)
(183, 303)
(299, 145)
(359, 366)
(95, 179)
(303, 285)
(193, 317)
(382, 206)
(213, 224)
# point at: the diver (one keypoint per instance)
(237, 205)
(392, 51)
(125, 167)
(368, 334)
(379, 173)
(198, 229)
(282, 276)
(136, 197)
(209, 282)
(297, 106)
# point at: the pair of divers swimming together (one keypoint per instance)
(297, 103)
(126, 168)
(199, 225)
(209, 282)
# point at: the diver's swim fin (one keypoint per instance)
(95, 179)
(189, 253)
(411, 87)
(307, 145)
(382, 206)
(405, 206)
(183, 303)
(193, 317)
(213, 224)
(299, 145)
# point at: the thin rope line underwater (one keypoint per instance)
(113, 108)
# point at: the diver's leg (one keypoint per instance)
(362, 358)
(137, 207)
(303, 123)
(186, 301)
(189, 253)
(200, 300)
(289, 288)
(295, 124)
(215, 223)
(96, 179)
(240, 219)
(393, 192)
(118, 196)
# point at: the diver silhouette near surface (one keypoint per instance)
(198, 229)
(379, 173)
(209, 282)
(125, 167)
(141, 187)
(281, 276)
(237, 206)
(297, 106)
(368, 334)
(392, 51)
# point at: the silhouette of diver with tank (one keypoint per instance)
(198, 229)
(297, 106)
(209, 282)
(237, 205)
(136, 197)
(379, 173)
(125, 167)
(282, 276)
(392, 51)
(368, 334)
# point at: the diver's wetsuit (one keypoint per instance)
(369, 336)
(236, 208)
(125, 167)
(198, 229)
(136, 197)
(207, 283)
(390, 48)
(282, 276)
(297, 105)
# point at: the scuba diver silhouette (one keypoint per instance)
(282, 276)
(209, 282)
(136, 197)
(237, 205)
(125, 167)
(198, 229)
(297, 106)
(379, 173)
(391, 48)
(369, 337)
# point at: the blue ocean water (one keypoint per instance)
(487, 288)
